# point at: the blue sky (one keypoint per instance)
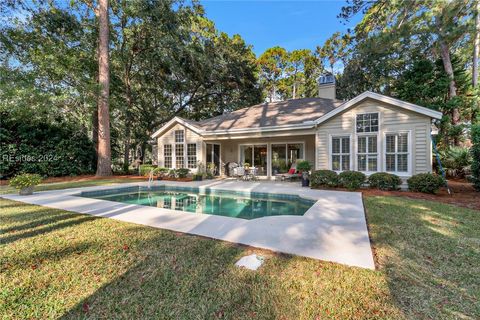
(290, 24)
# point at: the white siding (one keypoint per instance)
(169, 138)
(391, 119)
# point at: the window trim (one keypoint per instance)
(175, 136)
(171, 155)
(330, 144)
(196, 156)
(379, 161)
(181, 157)
(407, 173)
(363, 113)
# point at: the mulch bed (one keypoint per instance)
(463, 194)
(87, 177)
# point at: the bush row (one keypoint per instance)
(48, 149)
(353, 180)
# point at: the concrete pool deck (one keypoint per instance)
(333, 229)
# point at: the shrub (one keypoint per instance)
(384, 181)
(144, 169)
(161, 172)
(324, 178)
(44, 147)
(456, 161)
(25, 180)
(425, 182)
(172, 173)
(351, 180)
(182, 172)
(303, 166)
(475, 151)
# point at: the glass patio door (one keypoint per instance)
(213, 156)
(284, 155)
(255, 156)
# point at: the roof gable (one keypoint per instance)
(179, 120)
(379, 97)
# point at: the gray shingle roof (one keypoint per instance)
(295, 111)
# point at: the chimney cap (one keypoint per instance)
(326, 78)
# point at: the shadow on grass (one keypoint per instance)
(430, 254)
(74, 220)
(194, 281)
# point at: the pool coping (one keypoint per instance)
(333, 229)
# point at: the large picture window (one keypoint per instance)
(340, 153)
(367, 153)
(396, 155)
(179, 156)
(192, 155)
(167, 155)
(367, 122)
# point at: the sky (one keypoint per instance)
(289, 24)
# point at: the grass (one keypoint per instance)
(59, 264)
(5, 189)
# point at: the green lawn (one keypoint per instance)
(55, 263)
(72, 184)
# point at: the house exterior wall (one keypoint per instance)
(391, 120)
(169, 138)
(229, 149)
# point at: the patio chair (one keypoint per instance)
(291, 174)
(239, 172)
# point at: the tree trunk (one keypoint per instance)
(104, 160)
(95, 128)
(452, 88)
(126, 151)
(476, 46)
(476, 50)
(294, 89)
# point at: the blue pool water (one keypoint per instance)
(216, 202)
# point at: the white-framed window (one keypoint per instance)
(179, 136)
(192, 155)
(167, 155)
(366, 122)
(367, 153)
(397, 152)
(179, 156)
(340, 153)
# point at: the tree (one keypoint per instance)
(272, 65)
(104, 161)
(397, 32)
(296, 61)
(334, 49)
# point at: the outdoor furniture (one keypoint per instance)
(238, 172)
(291, 174)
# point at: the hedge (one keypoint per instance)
(324, 178)
(44, 148)
(425, 182)
(384, 181)
(352, 180)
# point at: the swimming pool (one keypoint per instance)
(215, 202)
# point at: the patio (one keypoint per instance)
(333, 229)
